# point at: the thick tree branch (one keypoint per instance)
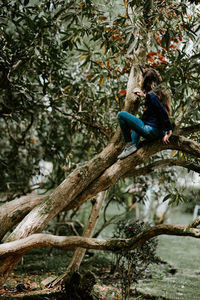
(163, 163)
(183, 144)
(188, 130)
(11, 213)
(122, 167)
(67, 243)
(85, 182)
(194, 223)
(81, 177)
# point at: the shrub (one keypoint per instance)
(131, 266)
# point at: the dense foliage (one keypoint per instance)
(133, 265)
(63, 72)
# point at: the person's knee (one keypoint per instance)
(121, 115)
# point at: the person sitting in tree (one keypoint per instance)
(155, 122)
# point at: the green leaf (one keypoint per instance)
(195, 56)
(167, 197)
(165, 42)
(132, 46)
(128, 38)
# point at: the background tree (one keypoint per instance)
(64, 71)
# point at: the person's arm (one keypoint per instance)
(165, 138)
(139, 92)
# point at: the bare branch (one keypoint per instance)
(163, 163)
(67, 243)
(188, 130)
(183, 144)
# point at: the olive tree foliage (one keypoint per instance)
(53, 106)
(63, 72)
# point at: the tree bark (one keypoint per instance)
(67, 243)
(96, 175)
(11, 213)
(88, 233)
(14, 211)
(161, 164)
(123, 167)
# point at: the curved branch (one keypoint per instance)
(189, 129)
(183, 144)
(163, 163)
(66, 243)
(121, 167)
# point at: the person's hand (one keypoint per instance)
(138, 92)
(165, 139)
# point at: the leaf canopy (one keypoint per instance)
(64, 66)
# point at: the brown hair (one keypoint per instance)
(152, 82)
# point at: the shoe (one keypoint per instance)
(128, 149)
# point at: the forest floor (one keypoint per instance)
(179, 279)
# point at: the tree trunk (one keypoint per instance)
(70, 188)
(88, 233)
(127, 166)
(95, 176)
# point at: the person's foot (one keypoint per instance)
(128, 149)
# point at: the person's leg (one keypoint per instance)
(131, 138)
(132, 128)
(125, 128)
(135, 137)
(129, 122)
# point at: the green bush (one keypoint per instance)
(133, 265)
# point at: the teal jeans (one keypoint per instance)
(133, 128)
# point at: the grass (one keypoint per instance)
(182, 253)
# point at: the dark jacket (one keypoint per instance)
(155, 114)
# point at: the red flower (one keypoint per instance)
(122, 92)
(152, 53)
